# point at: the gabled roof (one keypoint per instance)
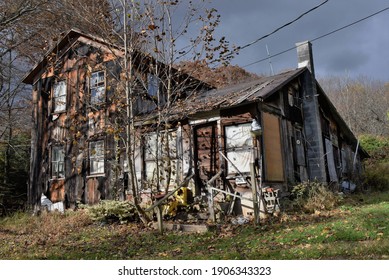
(60, 48)
(73, 35)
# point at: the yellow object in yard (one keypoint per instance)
(182, 196)
(170, 208)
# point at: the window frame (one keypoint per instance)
(57, 162)
(153, 156)
(99, 88)
(97, 157)
(153, 85)
(235, 148)
(62, 96)
(293, 96)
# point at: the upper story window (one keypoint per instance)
(96, 157)
(97, 87)
(294, 96)
(59, 96)
(57, 162)
(152, 85)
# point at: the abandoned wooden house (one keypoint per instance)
(258, 136)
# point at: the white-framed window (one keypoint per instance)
(59, 96)
(153, 83)
(96, 157)
(57, 162)
(239, 146)
(161, 157)
(97, 87)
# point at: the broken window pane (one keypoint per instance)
(59, 96)
(97, 87)
(57, 162)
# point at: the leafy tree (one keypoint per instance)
(154, 34)
(24, 29)
(220, 76)
(148, 38)
(362, 102)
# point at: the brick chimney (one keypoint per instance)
(311, 112)
(305, 56)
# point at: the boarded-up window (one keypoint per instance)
(274, 167)
(239, 148)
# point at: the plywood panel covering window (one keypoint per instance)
(274, 168)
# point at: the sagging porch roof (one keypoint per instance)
(231, 96)
(247, 92)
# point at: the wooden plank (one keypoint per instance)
(331, 161)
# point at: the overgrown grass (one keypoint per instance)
(358, 229)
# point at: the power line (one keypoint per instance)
(320, 37)
(239, 48)
(283, 26)
(348, 25)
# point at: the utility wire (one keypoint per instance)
(239, 48)
(283, 26)
(348, 25)
(320, 37)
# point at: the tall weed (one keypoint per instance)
(314, 196)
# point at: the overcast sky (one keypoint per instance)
(362, 49)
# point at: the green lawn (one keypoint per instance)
(358, 229)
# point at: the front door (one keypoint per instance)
(206, 154)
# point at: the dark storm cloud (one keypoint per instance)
(360, 49)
